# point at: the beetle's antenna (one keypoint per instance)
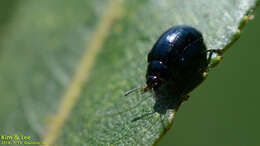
(143, 89)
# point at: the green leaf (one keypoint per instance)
(65, 65)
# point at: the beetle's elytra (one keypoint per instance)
(179, 59)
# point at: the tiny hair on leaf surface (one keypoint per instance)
(65, 65)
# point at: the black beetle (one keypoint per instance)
(180, 60)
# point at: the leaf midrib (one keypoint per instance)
(81, 75)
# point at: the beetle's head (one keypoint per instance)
(153, 82)
(156, 74)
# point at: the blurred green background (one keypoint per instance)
(224, 110)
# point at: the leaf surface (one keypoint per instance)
(65, 65)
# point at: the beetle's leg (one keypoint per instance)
(215, 61)
(186, 97)
(212, 62)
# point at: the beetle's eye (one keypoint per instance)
(153, 82)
